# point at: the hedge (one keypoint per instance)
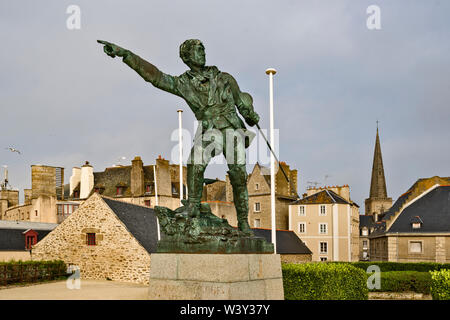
(320, 281)
(440, 285)
(14, 272)
(386, 266)
(402, 281)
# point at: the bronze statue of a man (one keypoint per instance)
(213, 97)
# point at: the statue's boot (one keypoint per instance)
(238, 179)
(195, 189)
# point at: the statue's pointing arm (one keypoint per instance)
(145, 69)
(244, 103)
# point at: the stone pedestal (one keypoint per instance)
(179, 276)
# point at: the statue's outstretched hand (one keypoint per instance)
(112, 50)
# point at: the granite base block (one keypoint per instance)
(177, 276)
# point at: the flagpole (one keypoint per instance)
(180, 140)
(156, 201)
(271, 72)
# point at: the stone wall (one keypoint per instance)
(117, 255)
(6, 256)
(296, 258)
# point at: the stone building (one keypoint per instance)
(378, 200)
(327, 220)
(417, 227)
(106, 239)
(134, 183)
(112, 239)
(219, 195)
(18, 237)
(50, 201)
(9, 197)
(40, 205)
(366, 226)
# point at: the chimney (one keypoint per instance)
(163, 178)
(137, 177)
(75, 179)
(86, 180)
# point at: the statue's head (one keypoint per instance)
(192, 52)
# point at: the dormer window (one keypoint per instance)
(416, 223)
(148, 188)
(365, 232)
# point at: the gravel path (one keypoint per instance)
(89, 290)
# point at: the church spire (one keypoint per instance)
(378, 182)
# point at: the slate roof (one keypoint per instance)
(12, 237)
(322, 197)
(365, 221)
(287, 241)
(25, 225)
(433, 209)
(140, 222)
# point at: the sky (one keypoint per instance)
(64, 102)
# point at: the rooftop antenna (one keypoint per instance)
(5, 183)
(315, 183)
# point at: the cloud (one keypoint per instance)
(63, 101)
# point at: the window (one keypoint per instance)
(60, 209)
(257, 207)
(257, 223)
(30, 238)
(301, 210)
(323, 247)
(119, 191)
(415, 246)
(365, 232)
(323, 228)
(323, 259)
(322, 210)
(301, 227)
(256, 186)
(91, 239)
(35, 213)
(147, 203)
(148, 188)
(416, 225)
(76, 194)
(364, 244)
(174, 189)
(30, 241)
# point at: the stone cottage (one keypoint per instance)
(106, 239)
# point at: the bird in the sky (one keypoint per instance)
(13, 150)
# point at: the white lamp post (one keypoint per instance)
(271, 72)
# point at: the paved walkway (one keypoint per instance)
(89, 290)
